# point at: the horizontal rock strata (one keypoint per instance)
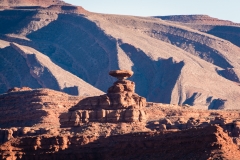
(202, 143)
(34, 107)
(120, 104)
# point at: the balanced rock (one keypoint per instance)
(120, 104)
(121, 74)
(121, 86)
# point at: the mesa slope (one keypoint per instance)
(173, 62)
(20, 3)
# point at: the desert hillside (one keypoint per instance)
(21, 3)
(190, 60)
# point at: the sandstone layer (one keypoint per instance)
(28, 108)
(46, 124)
(202, 144)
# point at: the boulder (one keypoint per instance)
(121, 74)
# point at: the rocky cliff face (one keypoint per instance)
(120, 104)
(47, 124)
(34, 107)
(207, 143)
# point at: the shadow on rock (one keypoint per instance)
(154, 79)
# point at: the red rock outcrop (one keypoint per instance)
(120, 104)
(28, 108)
(111, 126)
(203, 143)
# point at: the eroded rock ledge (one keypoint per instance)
(202, 143)
(120, 104)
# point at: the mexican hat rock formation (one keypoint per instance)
(120, 104)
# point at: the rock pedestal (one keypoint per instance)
(120, 104)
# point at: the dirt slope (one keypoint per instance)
(39, 71)
(221, 28)
(173, 62)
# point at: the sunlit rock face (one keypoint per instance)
(120, 104)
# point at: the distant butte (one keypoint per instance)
(43, 3)
(57, 5)
(197, 19)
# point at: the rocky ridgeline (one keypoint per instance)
(28, 108)
(26, 112)
(120, 104)
(197, 19)
(229, 126)
(232, 127)
(22, 3)
(11, 133)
